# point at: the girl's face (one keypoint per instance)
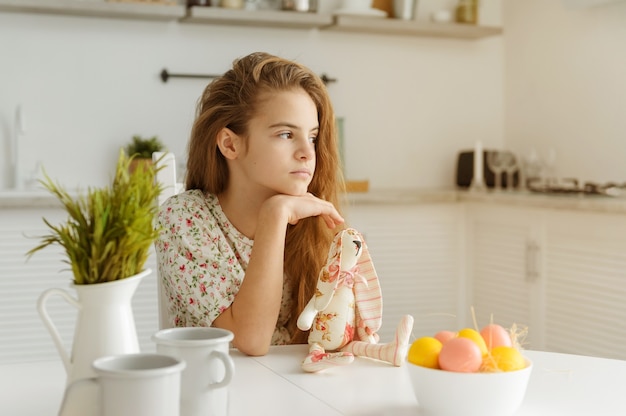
(280, 154)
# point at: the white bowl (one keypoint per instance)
(448, 393)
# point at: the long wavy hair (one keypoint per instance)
(231, 101)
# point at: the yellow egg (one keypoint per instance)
(476, 337)
(503, 358)
(425, 352)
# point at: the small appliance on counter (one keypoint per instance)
(465, 171)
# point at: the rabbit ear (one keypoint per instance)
(368, 295)
(351, 249)
(329, 275)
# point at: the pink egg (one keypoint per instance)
(495, 336)
(460, 355)
(444, 336)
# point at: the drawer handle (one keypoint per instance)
(532, 257)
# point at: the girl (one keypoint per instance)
(242, 247)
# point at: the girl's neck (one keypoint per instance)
(242, 209)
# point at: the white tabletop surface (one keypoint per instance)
(274, 384)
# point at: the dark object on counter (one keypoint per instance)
(465, 171)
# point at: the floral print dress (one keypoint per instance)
(202, 260)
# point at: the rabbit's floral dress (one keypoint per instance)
(202, 259)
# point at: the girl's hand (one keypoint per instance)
(295, 208)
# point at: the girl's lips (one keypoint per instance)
(302, 172)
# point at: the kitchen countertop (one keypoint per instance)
(526, 199)
(28, 198)
(593, 203)
(522, 199)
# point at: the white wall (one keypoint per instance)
(88, 84)
(565, 85)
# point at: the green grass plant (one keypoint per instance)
(109, 230)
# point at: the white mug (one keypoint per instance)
(404, 9)
(204, 383)
(127, 385)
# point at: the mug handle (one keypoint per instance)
(228, 365)
(43, 313)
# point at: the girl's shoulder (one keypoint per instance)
(191, 203)
(195, 205)
(196, 210)
(192, 199)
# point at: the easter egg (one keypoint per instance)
(444, 336)
(495, 336)
(475, 336)
(503, 358)
(461, 355)
(425, 352)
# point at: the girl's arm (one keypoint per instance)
(253, 314)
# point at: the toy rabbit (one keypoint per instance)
(346, 311)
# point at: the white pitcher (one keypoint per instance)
(105, 324)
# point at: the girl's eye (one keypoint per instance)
(285, 135)
(313, 139)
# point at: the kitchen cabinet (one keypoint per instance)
(261, 18)
(24, 337)
(561, 273)
(417, 252)
(585, 284)
(555, 265)
(504, 266)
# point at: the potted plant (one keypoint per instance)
(140, 150)
(109, 230)
(106, 239)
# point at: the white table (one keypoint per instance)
(36, 389)
(560, 384)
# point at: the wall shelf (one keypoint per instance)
(85, 8)
(262, 18)
(381, 26)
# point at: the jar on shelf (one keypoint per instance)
(467, 11)
(232, 4)
(300, 5)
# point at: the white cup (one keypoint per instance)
(204, 383)
(404, 9)
(127, 385)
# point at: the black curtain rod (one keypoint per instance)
(165, 75)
